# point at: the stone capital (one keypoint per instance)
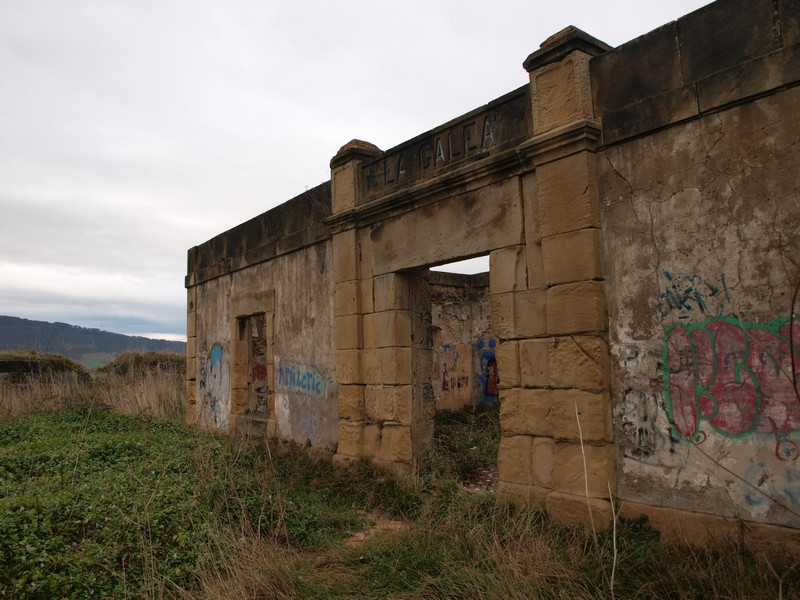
(561, 44)
(355, 150)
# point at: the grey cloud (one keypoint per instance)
(131, 131)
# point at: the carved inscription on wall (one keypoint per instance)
(476, 135)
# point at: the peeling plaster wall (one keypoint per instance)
(463, 340)
(278, 264)
(702, 232)
(641, 208)
(305, 385)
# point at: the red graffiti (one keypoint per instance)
(738, 377)
(258, 372)
(492, 380)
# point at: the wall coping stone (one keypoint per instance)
(562, 44)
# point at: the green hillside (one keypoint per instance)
(91, 347)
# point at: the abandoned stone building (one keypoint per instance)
(640, 207)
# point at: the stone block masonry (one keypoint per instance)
(639, 207)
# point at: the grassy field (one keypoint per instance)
(97, 503)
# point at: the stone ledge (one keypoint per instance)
(579, 136)
(703, 530)
(722, 34)
(751, 78)
(646, 66)
(650, 114)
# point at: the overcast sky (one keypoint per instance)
(132, 130)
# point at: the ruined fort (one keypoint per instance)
(640, 207)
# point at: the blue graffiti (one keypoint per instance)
(215, 355)
(309, 381)
(686, 293)
(773, 483)
(214, 381)
(486, 351)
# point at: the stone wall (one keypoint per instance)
(639, 207)
(701, 217)
(273, 274)
(463, 341)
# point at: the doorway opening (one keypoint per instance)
(464, 376)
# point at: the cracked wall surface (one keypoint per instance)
(464, 362)
(641, 210)
(260, 326)
(702, 231)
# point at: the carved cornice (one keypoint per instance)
(578, 136)
(465, 178)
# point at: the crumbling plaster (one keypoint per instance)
(641, 210)
(702, 221)
(303, 339)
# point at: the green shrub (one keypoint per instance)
(136, 363)
(21, 366)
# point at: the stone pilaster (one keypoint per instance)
(356, 364)
(558, 396)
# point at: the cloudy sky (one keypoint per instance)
(131, 130)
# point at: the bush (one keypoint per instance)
(17, 367)
(136, 363)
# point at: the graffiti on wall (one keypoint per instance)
(301, 379)
(642, 436)
(735, 376)
(214, 389)
(770, 481)
(455, 387)
(684, 294)
(487, 369)
(468, 374)
(455, 374)
(303, 393)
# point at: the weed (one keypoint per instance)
(98, 503)
(466, 440)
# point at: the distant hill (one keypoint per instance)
(91, 347)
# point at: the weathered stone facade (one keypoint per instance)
(641, 210)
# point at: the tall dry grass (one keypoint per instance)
(455, 545)
(160, 395)
(45, 394)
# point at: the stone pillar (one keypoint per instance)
(388, 373)
(381, 411)
(549, 303)
(352, 298)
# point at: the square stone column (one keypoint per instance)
(373, 364)
(380, 336)
(552, 322)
